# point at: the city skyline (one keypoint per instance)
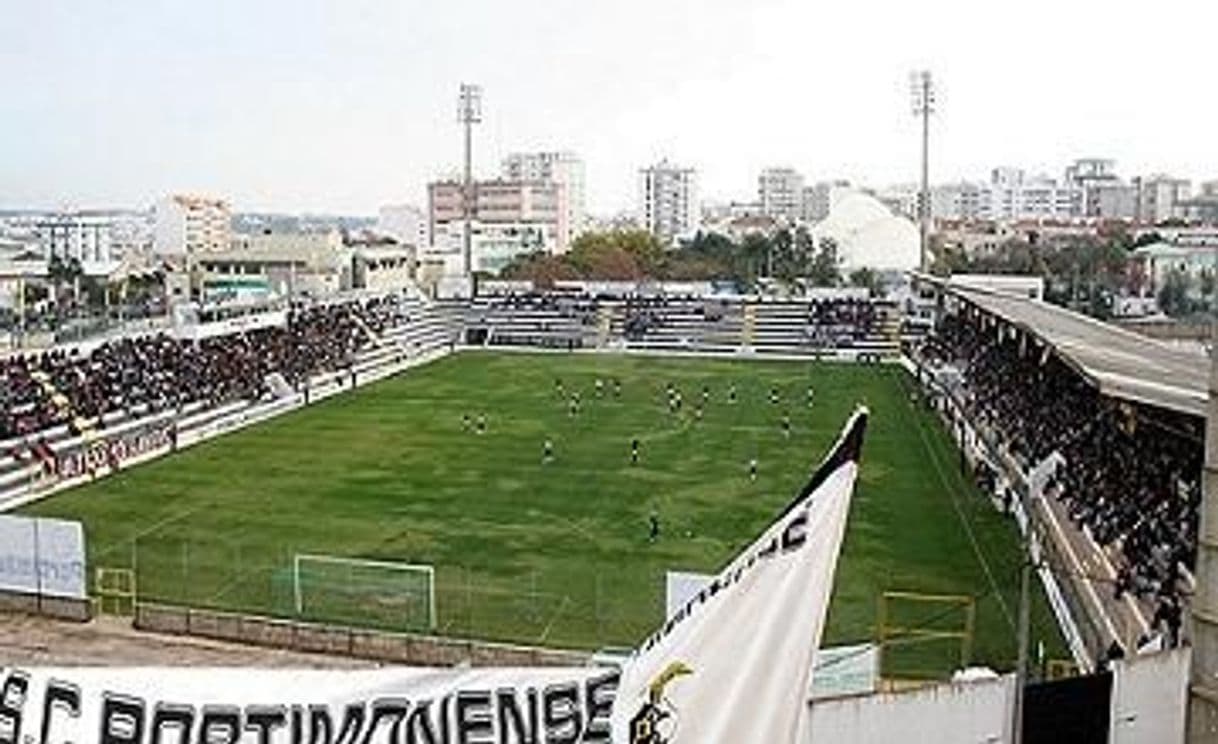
(339, 109)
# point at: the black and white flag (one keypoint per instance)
(735, 663)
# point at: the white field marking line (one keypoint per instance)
(578, 525)
(1080, 570)
(557, 613)
(968, 529)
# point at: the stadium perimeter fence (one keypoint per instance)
(571, 606)
(563, 606)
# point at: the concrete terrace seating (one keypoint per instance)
(553, 321)
(790, 327)
(824, 327)
(324, 346)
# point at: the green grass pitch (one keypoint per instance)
(559, 554)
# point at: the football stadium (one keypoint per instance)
(550, 472)
(427, 502)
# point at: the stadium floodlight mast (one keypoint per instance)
(469, 113)
(922, 92)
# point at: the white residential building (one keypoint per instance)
(84, 236)
(668, 200)
(563, 168)
(1009, 195)
(189, 225)
(780, 192)
(405, 223)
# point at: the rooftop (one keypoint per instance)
(1122, 364)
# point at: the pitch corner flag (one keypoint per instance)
(734, 664)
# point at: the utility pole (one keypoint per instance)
(469, 113)
(1203, 687)
(922, 88)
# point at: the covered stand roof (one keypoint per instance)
(1122, 363)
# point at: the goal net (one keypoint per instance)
(356, 591)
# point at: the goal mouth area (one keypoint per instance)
(346, 587)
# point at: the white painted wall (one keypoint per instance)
(972, 713)
(1149, 695)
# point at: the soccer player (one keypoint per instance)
(774, 396)
(786, 425)
(600, 387)
(705, 394)
(547, 452)
(731, 393)
(558, 389)
(653, 526)
(617, 388)
(698, 412)
(634, 451)
(467, 423)
(481, 423)
(811, 394)
(753, 469)
(573, 408)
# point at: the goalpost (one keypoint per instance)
(367, 592)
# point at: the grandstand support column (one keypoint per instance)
(1203, 688)
(1021, 665)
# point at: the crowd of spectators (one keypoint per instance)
(163, 372)
(1128, 473)
(840, 321)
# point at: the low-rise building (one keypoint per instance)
(261, 266)
(382, 267)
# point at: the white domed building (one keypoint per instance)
(869, 235)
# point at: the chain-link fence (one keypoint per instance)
(569, 605)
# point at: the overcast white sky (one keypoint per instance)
(302, 105)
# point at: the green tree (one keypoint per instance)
(866, 278)
(1173, 296)
(825, 271)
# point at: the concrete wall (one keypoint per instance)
(1148, 704)
(400, 648)
(1149, 698)
(60, 608)
(944, 714)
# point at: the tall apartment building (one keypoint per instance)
(563, 168)
(188, 225)
(780, 192)
(817, 200)
(87, 237)
(1159, 197)
(508, 218)
(1103, 192)
(668, 200)
(405, 223)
